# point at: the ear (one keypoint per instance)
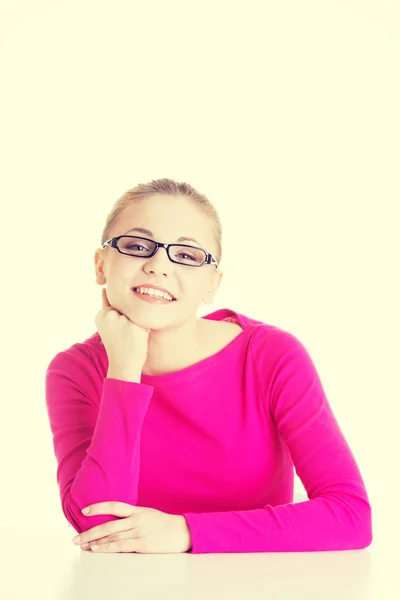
(99, 260)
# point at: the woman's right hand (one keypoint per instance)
(125, 342)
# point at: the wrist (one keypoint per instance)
(186, 535)
(125, 374)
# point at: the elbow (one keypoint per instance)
(366, 535)
(69, 514)
(363, 538)
(353, 521)
(363, 535)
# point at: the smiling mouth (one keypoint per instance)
(136, 290)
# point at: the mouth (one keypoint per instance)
(151, 296)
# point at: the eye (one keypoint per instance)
(183, 254)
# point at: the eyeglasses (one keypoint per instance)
(183, 254)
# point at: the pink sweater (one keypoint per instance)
(216, 442)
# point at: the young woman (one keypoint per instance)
(182, 433)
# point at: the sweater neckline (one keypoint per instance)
(218, 315)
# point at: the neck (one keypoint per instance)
(173, 349)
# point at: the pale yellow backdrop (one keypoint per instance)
(286, 114)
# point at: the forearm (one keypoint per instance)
(113, 451)
(332, 522)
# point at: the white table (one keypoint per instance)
(44, 563)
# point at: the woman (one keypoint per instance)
(182, 433)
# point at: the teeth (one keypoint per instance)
(157, 293)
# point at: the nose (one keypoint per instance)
(159, 260)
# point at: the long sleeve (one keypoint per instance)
(337, 515)
(97, 444)
(217, 445)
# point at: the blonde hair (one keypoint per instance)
(168, 187)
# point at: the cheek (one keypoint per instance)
(196, 290)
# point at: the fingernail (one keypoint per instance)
(77, 539)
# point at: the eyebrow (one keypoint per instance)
(149, 233)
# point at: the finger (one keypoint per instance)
(100, 531)
(109, 528)
(128, 545)
(115, 537)
(118, 509)
(85, 546)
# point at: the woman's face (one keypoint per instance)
(168, 218)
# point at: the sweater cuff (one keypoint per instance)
(190, 520)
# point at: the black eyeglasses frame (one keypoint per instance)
(113, 243)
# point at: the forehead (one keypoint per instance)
(169, 219)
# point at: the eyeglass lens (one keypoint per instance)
(182, 254)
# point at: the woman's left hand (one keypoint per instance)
(143, 530)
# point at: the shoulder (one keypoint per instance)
(79, 365)
(271, 346)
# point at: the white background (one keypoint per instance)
(285, 114)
